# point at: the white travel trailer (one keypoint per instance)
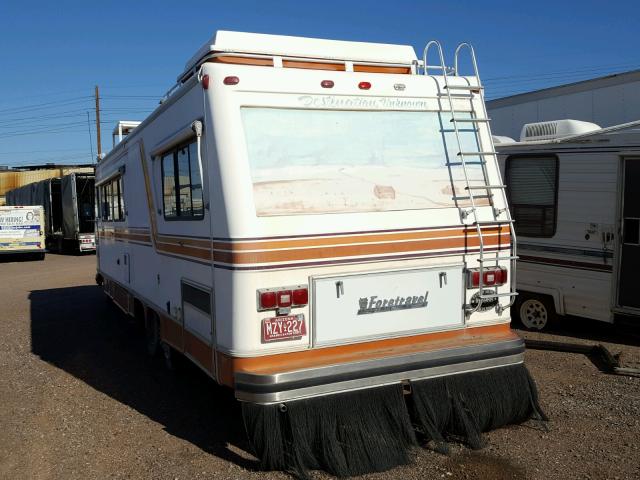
(572, 188)
(321, 226)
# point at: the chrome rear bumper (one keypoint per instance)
(328, 379)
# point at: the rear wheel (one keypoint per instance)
(535, 312)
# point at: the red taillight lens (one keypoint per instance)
(364, 85)
(205, 82)
(284, 298)
(231, 80)
(300, 296)
(490, 277)
(268, 300)
(326, 83)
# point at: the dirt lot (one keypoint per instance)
(80, 399)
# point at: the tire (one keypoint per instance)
(535, 312)
(152, 333)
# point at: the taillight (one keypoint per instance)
(267, 300)
(283, 297)
(300, 296)
(364, 85)
(326, 83)
(231, 80)
(491, 277)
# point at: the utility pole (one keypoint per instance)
(93, 159)
(99, 143)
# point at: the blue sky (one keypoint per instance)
(53, 53)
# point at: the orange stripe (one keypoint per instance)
(351, 239)
(199, 350)
(228, 365)
(357, 250)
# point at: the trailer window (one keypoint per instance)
(532, 184)
(182, 184)
(112, 200)
(339, 161)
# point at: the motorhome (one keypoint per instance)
(22, 231)
(573, 196)
(321, 226)
(69, 209)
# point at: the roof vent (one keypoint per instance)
(555, 129)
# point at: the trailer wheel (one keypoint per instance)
(152, 333)
(535, 312)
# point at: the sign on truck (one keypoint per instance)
(22, 230)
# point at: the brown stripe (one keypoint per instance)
(566, 263)
(199, 350)
(355, 250)
(171, 332)
(381, 69)
(228, 365)
(186, 251)
(373, 238)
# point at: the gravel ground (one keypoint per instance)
(79, 399)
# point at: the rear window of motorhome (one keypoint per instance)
(337, 161)
(182, 184)
(111, 195)
(532, 186)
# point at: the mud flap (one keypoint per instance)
(344, 434)
(461, 407)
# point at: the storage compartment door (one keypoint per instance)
(388, 304)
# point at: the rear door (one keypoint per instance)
(630, 249)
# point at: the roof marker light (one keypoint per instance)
(326, 83)
(205, 82)
(231, 80)
(364, 85)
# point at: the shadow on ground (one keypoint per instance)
(625, 332)
(80, 331)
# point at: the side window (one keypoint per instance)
(182, 184)
(532, 184)
(112, 200)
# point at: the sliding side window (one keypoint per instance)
(112, 200)
(182, 184)
(532, 183)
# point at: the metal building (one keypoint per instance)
(607, 101)
(11, 178)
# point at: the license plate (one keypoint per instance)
(283, 328)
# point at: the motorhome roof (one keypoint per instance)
(301, 47)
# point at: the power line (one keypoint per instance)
(46, 105)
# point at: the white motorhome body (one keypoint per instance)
(576, 214)
(22, 230)
(348, 232)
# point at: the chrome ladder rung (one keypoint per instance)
(495, 259)
(463, 87)
(468, 197)
(460, 154)
(470, 162)
(456, 95)
(484, 187)
(493, 222)
(470, 120)
(489, 297)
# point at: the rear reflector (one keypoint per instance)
(364, 85)
(231, 80)
(490, 277)
(326, 83)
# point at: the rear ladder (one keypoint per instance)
(451, 93)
